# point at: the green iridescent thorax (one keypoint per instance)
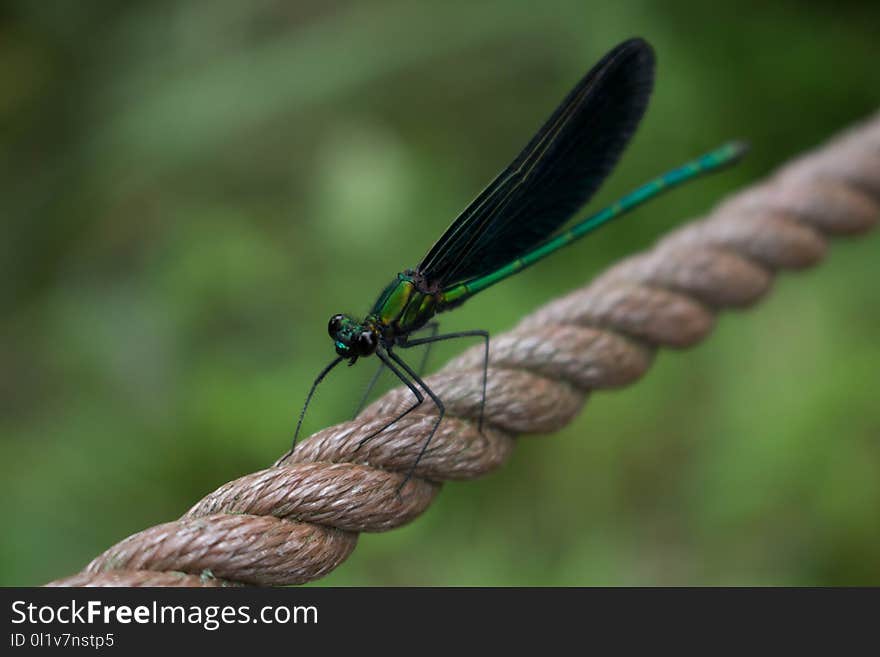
(402, 307)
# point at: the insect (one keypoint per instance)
(514, 223)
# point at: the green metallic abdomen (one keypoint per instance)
(402, 307)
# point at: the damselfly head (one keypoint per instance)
(351, 338)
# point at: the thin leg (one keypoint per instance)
(370, 386)
(440, 407)
(460, 334)
(302, 413)
(431, 326)
(415, 391)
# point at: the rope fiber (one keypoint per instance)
(299, 519)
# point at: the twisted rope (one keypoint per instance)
(299, 519)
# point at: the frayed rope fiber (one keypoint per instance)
(299, 519)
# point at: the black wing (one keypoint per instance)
(557, 172)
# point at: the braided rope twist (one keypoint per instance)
(299, 519)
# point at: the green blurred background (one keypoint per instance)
(190, 189)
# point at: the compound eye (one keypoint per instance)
(335, 324)
(366, 343)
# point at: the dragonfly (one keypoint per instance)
(513, 223)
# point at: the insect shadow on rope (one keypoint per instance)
(512, 224)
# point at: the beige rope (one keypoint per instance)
(298, 520)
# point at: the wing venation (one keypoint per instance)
(555, 174)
